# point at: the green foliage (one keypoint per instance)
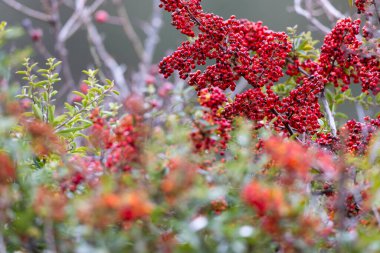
(40, 90)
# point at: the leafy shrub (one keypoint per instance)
(267, 170)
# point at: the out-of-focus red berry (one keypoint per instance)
(101, 16)
(164, 90)
(36, 34)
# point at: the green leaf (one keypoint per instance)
(70, 130)
(350, 3)
(21, 73)
(341, 115)
(79, 93)
(51, 111)
(41, 83)
(37, 111)
(3, 24)
(58, 120)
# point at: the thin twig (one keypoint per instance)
(301, 11)
(38, 45)
(377, 215)
(74, 22)
(152, 31)
(67, 121)
(330, 9)
(49, 236)
(60, 46)
(113, 67)
(3, 248)
(28, 11)
(287, 126)
(325, 103)
(128, 28)
(330, 117)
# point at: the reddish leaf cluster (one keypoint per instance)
(8, 169)
(115, 208)
(297, 160)
(43, 138)
(50, 203)
(265, 200)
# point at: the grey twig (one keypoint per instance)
(152, 31)
(329, 116)
(3, 248)
(128, 28)
(28, 11)
(49, 236)
(96, 40)
(301, 11)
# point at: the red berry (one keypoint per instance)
(36, 34)
(101, 16)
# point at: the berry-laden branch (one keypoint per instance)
(249, 50)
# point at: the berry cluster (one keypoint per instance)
(253, 104)
(240, 48)
(362, 5)
(8, 169)
(120, 143)
(213, 130)
(219, 205)
(343, 60)
(297, 160)
(357, 135)
(123, 152)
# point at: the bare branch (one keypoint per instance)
(301, 11)
(49, 236)
(330, 117)
(152, 31)
(128, 28)
(377, 215)
(287, 126)
(3, 248)
(74, 22)
(60, 46)
(38, 44)
(28, 11)
(115, 69)
(330, 9)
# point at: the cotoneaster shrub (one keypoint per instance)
(274, 168)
